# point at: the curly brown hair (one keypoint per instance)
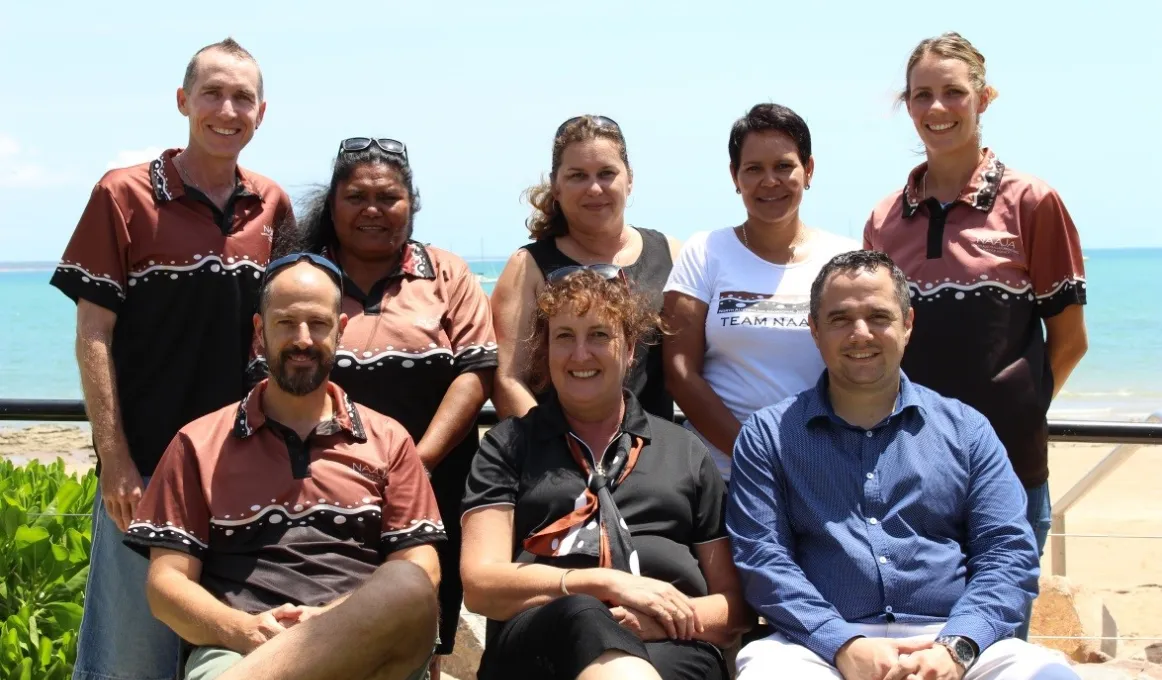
(547, 220)
(614, 301)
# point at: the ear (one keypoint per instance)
(183, 102)
(811, 324)
(261, 113)
(257, 320)
(809, 168)
(985, 98)
(734, 178)
(343, 319)
(909, 318)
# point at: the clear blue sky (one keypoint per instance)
(476, 91)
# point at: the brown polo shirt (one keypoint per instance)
(408, 337)
(984, 271)
(277, 519)
(183, 278)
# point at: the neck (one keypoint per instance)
(948, 173)
(779, 242)
(865, 406)
(207, 172)
(596, 425)
(301, 414)
(604, 243)
(365, 273)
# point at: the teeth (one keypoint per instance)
(862, 355)
(224, 131)
(582, 374)
(939, 127)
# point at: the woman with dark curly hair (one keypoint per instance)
(419, 345)
(579, 219)
(593, 531)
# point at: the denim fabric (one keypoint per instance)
(1039, 512)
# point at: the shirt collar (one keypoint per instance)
(817, 405)
(980, 192)
(251, 418)
(552, 423)
(414, 261)
(167, 184)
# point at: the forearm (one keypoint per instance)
(723, 617)
(501, 591)
(705, 410)
(1063, 358)
(455, 417)
(192, 612)
(99, 386)
(511, 396)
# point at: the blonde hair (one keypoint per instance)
(950, 45)
(547, 220)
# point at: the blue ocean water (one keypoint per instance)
(1120, 378)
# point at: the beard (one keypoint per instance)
(301, 380)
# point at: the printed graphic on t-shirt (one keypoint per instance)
(739, 308)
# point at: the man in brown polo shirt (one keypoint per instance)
(164, 266)
(271, 511)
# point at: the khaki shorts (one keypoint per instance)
(207, 663)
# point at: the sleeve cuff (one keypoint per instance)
(141, 537)
(828, 638)
(975, 628)
(1069, 293)
(423, 533)
(78, 285)
(476, 358)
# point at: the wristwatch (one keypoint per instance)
(962, 649)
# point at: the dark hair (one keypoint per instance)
(612, 299)
(229, 46)
(547, 220)
(315, 229)
(765, 118)
(856, 261)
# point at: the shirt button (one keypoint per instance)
(883, 560)
(870, 433)
(871, 475)
(873, 520)
(888, 609)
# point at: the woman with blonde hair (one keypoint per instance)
(578, 219)
(994, 262)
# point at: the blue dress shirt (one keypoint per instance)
(919, 519)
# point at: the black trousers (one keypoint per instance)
(448, 482)
(558, 640)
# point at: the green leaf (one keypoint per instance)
(26, 537)
(66, 614)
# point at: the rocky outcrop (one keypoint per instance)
(1121, 669)
(1066, 610)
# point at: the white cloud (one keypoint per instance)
(133, 156)
(19, 171)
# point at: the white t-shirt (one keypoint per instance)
(759, 349)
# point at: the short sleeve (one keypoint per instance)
(410, 514)
(95, 266)
(868, 232)
(1054, 256)
(690, 275)
(173, 513)
(468, 322)
(494, 478)
(710, 505)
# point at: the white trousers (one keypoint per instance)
(1011, 659)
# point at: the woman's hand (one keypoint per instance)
(657, 599)
(640, 623)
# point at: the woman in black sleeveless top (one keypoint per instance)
(579, 219)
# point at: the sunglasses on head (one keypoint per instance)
(599, 121)
(357, 144)
(608, 272)
(317, 260)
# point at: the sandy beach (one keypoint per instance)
(1124, 572)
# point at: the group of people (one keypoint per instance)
(292, 483)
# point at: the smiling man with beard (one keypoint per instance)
(878, 526)
(267, 514)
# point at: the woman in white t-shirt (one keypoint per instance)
(737, 299)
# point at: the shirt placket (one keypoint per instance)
(873, 507)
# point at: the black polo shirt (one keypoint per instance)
(671, 501)
(183, 278)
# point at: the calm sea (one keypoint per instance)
(1120, 378)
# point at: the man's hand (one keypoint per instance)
(641, 624)
(292, 615)
(874, 658)
(256, 629)
(121, 487)
(934, 663)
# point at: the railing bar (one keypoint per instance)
(1093, 637)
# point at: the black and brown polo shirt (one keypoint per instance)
(277, 519)
(410, 336)
(183, 278)
(984, 271)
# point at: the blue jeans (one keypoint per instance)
(1039, 513)
(119, 638)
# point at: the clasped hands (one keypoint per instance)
(914, 658)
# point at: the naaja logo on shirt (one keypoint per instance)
(378, 476)
(268, 232)
(1003, 245)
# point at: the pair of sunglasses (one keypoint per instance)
(357, 144)
(608, 272)
(330, 267)
(600, 121)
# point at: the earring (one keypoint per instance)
(737, 190)
(807, 186)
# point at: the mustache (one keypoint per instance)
(309, 353)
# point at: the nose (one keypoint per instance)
(860, 330)
(302, 338)
(771, 178)
(580, 351)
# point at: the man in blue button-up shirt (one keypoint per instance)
(878, 526)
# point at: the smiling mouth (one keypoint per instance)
(861, 356)
(770, 200)
(940, 127)
(227, 132)
(583, 374)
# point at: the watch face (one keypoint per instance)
(961, 649)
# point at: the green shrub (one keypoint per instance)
(45, 538)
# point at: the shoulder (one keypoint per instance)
(791, 411)
(949, 412)
(447, 262)
(215, 426)
(379, 428)
(263, 185)
(123, 184)
(889, 207)
(1024, 188)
